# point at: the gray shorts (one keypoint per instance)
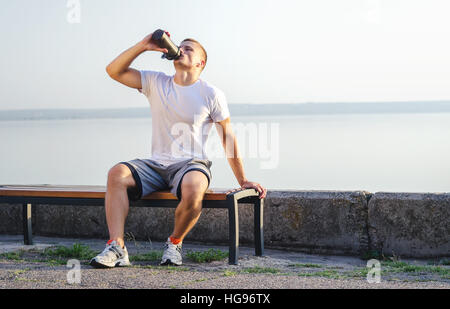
(150, 176)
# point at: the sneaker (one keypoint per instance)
(113, 255)
(172, 254)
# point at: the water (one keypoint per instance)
(373, 152)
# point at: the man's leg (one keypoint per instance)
(116, 201)
(187, 213)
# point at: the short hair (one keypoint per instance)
(203, 49)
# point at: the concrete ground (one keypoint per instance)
(29, 267)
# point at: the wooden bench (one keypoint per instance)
(33, 195)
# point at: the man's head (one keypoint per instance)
(193, 56)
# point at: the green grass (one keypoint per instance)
(153, 255)
(16, 255)
(307, 265)
(20, 271)
(261, 270)
(170, 268)
(390, 267)
(53, 256)
(402, 267)
(359, 272)
(54, 262)
(206, 256)
(229, 273)
(77, 251)
(332, 274)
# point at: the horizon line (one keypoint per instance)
(299, 103)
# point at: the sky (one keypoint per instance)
(54, 52)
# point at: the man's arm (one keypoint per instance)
(230, 145)
(119, 69)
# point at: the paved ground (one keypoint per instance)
(29, 267)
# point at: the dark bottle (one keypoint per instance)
(162, 39)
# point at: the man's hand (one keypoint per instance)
(148, 44)
(119, 69)
(250, 184)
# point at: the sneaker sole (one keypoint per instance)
(169, 262)
(120, 263)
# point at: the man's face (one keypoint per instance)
(191, 57)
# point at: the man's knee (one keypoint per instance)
(120, 175)
(193, 187)
(192, 196)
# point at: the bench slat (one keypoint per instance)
(91, 192)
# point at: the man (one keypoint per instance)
(179, 103)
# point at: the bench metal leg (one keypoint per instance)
(259, 227)
(27, 226)
(233, 216)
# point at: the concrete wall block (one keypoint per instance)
(317, 221)
(69, 221)
(410, 224)
(11, 219)
(154, 224)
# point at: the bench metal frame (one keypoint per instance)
(231, 203)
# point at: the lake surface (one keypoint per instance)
(373, 152)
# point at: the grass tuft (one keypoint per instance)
(77, 251)
(307, 265)
(15, 255)
(153, 255)
(206, 256)
(332, 274)
(261, 270)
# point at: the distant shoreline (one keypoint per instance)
(238, 110)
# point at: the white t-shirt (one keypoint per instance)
(182, 116)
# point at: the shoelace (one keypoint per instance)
(110, 249)
(177, 247)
